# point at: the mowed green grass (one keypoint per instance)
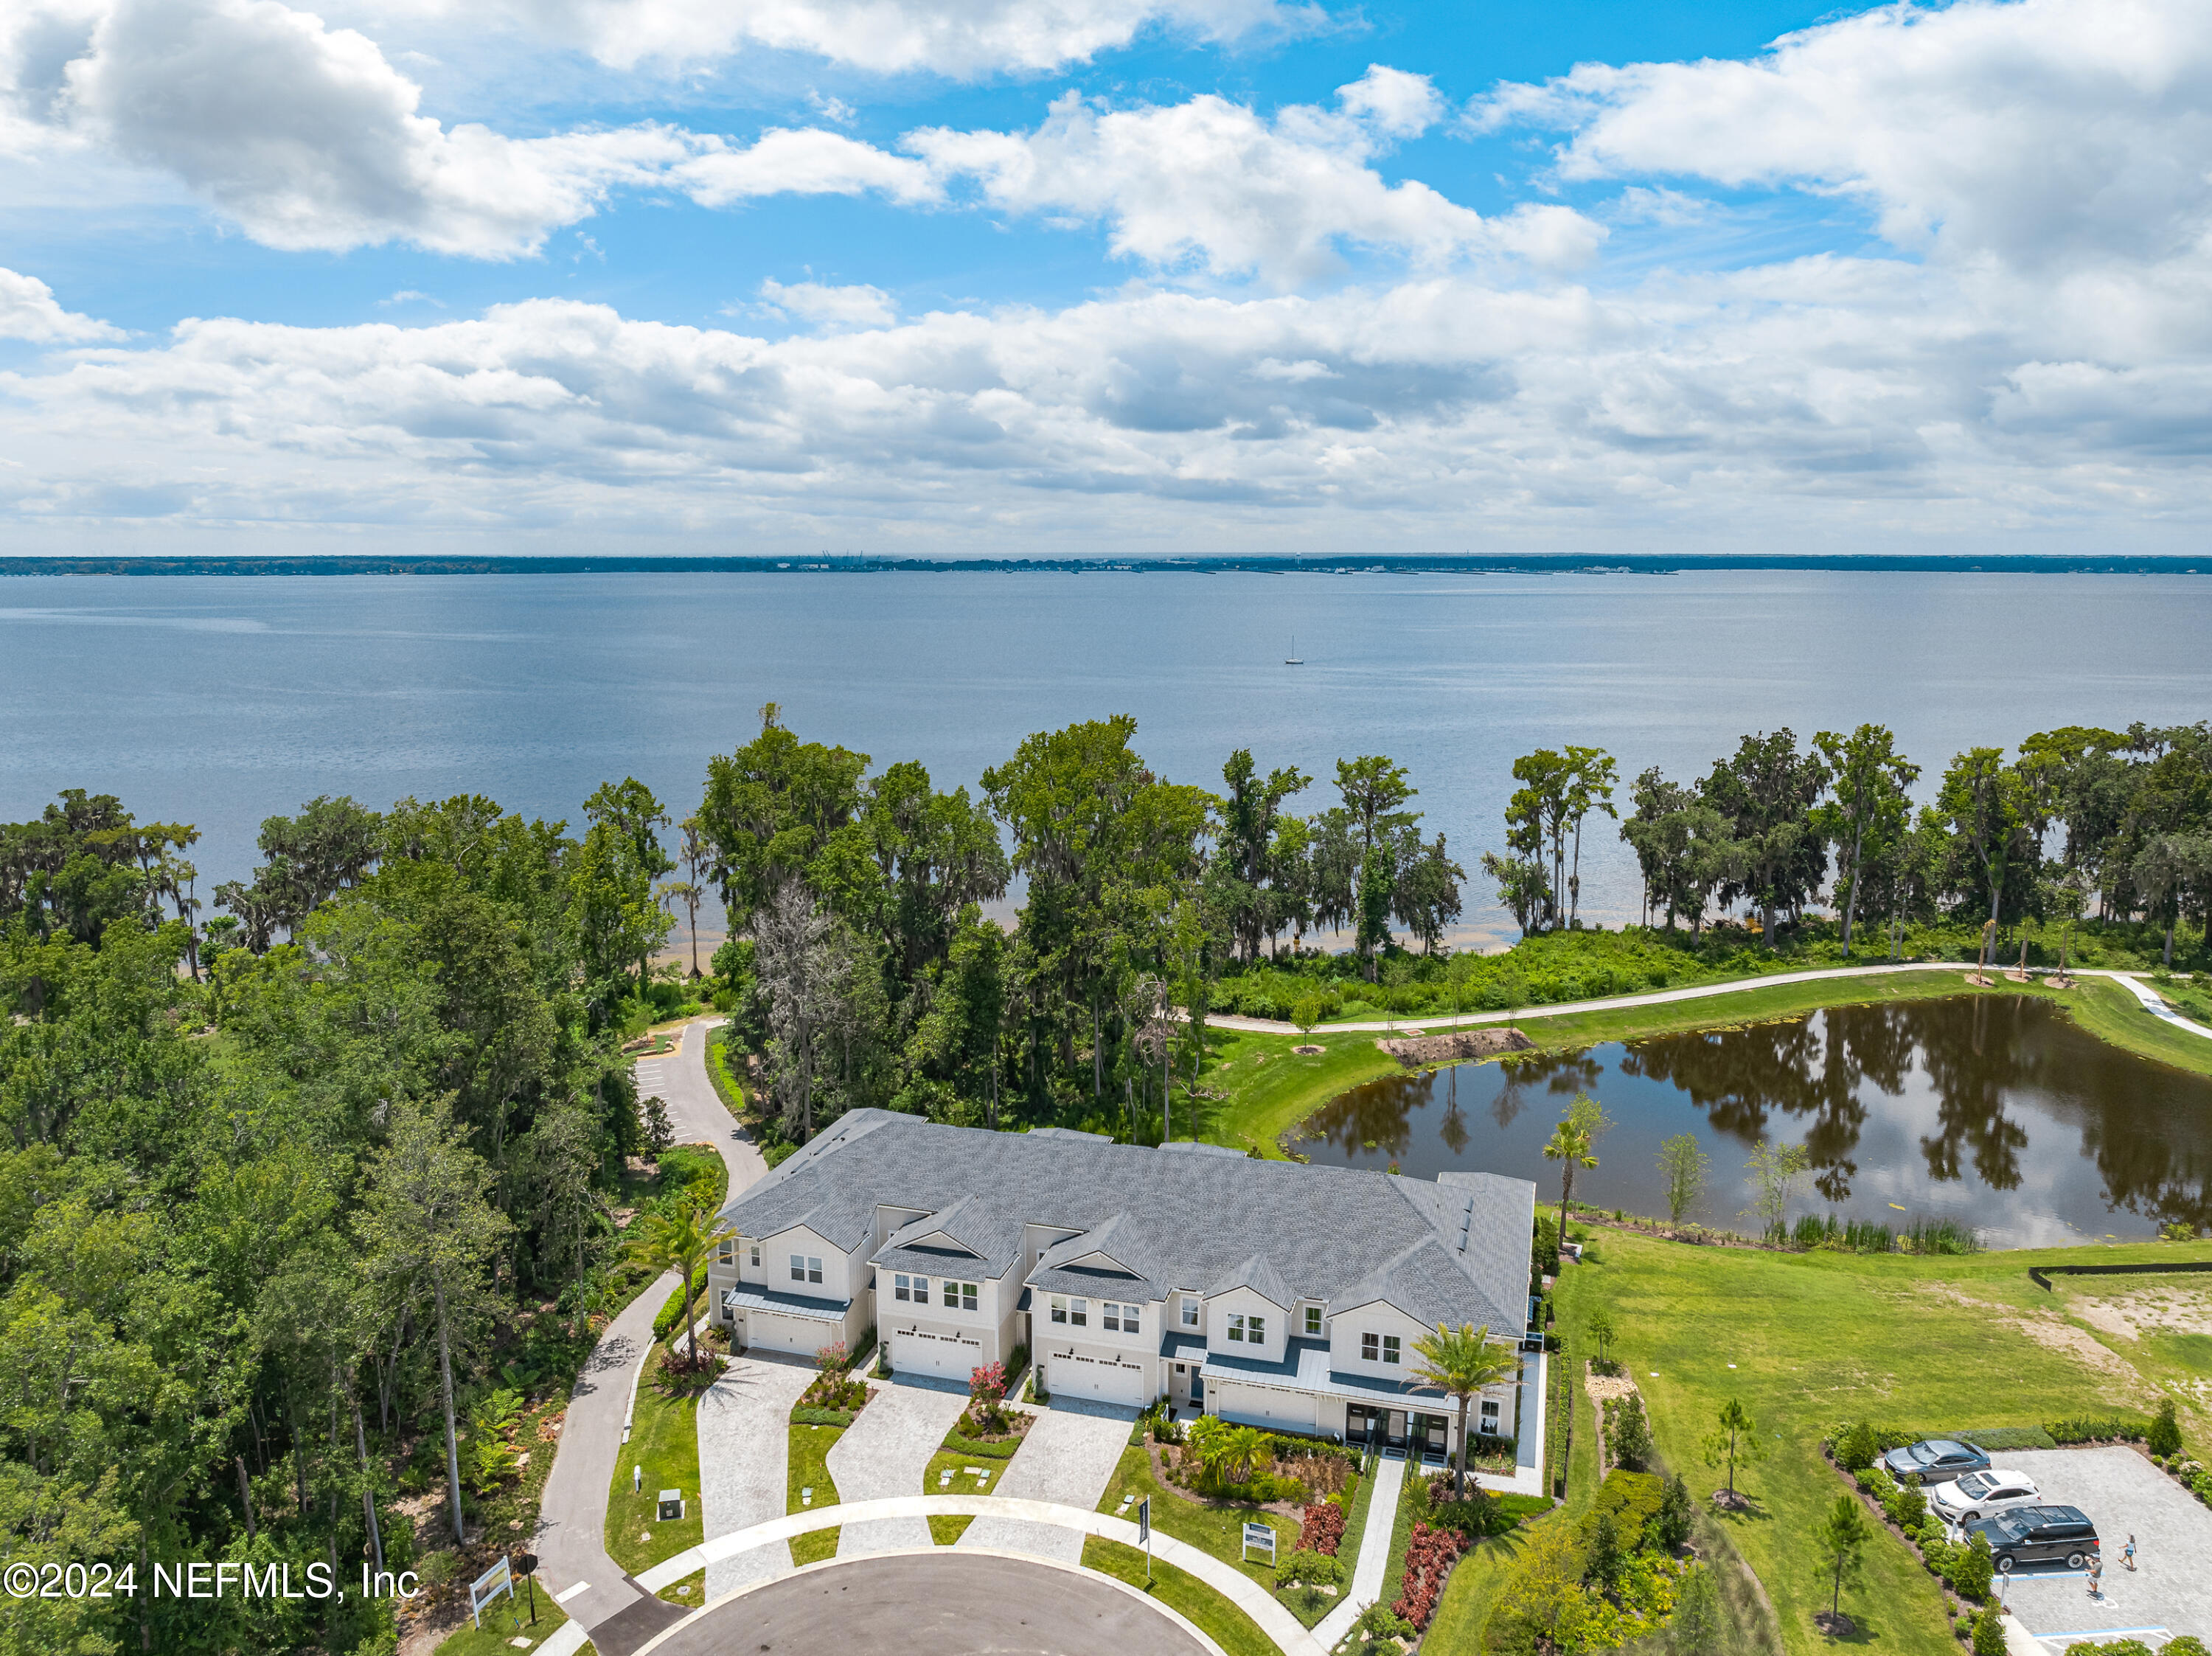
(1237, 1634)
(664, 1440)
(1822, 1338)
(1216, 1530)
(809, 1469)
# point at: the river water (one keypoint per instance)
(1996, 1111)
(219, 700)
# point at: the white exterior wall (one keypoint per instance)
(1263, 1405)
(938, 1333)
(1245, 1302)
(1345, 1341)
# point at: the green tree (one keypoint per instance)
(1683, 1168)
(1697, 1627)
(1461, 1363)
(1766, 791)
(1841, 1540)
(1542, 1607)
(1774, 1170)
(1590, 777)
(679, 1242)
(1989, 1634)
(1537, 816)
(770, 809)
(1980, 802)
(1735, 1440)
(2164, 1436)
(1871, 813)
(1252, 843)
(426, 1223)
(1570, 1146)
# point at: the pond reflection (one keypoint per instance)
(1997, 1111)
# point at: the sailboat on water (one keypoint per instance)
(1294, 659)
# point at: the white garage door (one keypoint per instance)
(948, 1356)
(769, 1332)
(1102, 1379)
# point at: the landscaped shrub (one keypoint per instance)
(2117, 1647)
(1856, 1449)
(1627, 1434)
(1995, 1438)
(671, 1316)
(2165, 1435)
(1633, 1499)
(1670, 1526)
(806, 1415)
(1430, 1556)
(2187, 1644)
(1321, 1528)
(1307, 1569)
(2100, 1428)
(1988, 1634)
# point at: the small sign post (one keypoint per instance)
(1261, 1535)
(525, 1565)
(498, 1580)
(1145, 1534)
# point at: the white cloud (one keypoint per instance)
(305, 135)
(2038, 134)
(963, 38)
(1213, 184)
(29, 311)
(855, 306)
(804, 161)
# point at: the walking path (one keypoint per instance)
(571, 1539)
(1073, 1522)
(2150, 1001)
(1374, 1555)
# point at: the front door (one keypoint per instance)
(1379, 1429)
(1429, 1435)
(1179, 1385)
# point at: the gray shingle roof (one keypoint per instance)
(1188, 1222)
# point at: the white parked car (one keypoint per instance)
(1980, 1495)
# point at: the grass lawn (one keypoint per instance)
(1216, 1530)
(1808, 1341)
(497, 1636)
(663, 1439)
(1237, 1634)
(946, 1530)
(1269, 1089)
(809, 1470)
(691, 1591)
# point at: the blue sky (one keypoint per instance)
(1102, 275)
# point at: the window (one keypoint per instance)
(725, 1252)
(901, 1287)
(1256, 1329)
(1190, 1310)
(1060, 1308)
(1370, 1348)
(1390, 1348)
(813, 1269)
(1129, 1320)
(967, 1293)
(1236, 1327)
(1110, 1315)
(1490, 1417)
(1313, 1319)
(921, 1290)
(756, 1256)
(1079, 1312)
(799, 1267)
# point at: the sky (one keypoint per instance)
(1065, 277)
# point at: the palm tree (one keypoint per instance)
(680, 1243)
(1570, 1146)
(1461, 1361)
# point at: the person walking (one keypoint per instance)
(2096, 1576)
(2128, 1553)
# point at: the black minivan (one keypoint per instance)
(2038, 1535)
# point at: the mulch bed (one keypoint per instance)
(1457, 1047)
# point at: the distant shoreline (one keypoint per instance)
(1463, 564)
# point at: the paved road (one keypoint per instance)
(1663, 996)
(942, 1604)
(885, 1452)
(573, 1513)
(1067, 1456)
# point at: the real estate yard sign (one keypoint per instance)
(487, 1586)
(1261, 1535)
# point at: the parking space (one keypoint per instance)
(2170, 1592)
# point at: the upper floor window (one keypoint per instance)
(1389, 1348)
(1370, 1348)
(902, 1286)
(921, 1290)
(805, 1268)
(725, 1252)
(1190, 1310)
(1122, 1317)
(1065, 1310)
(1236, 1327)
(964, 1293)
(756, 1256)
(1313, 1319)
(1251, 1330)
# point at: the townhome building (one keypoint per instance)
(1270, 1293)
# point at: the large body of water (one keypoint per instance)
(221, 700)
(1999, 1111)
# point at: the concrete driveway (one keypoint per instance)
(2170, 1590)
(1067, 1456)
(885, 1453)
(745, 1456)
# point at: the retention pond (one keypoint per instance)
(1998, 1112)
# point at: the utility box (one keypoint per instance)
(671, 1506)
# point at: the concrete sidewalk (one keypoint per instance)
(1367, 1572)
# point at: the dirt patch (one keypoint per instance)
(2131, 1315)
(2050, 1330)
(1456, 1047)
(1308, 1052)
(1604, 1388)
